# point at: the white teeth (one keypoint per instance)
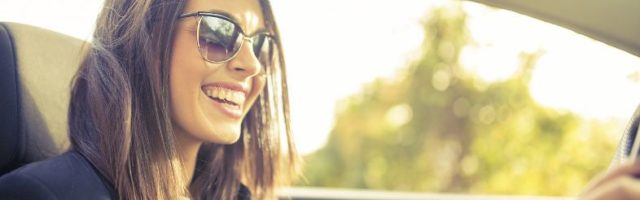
(223, 94)
(217, 92)
(234, 96)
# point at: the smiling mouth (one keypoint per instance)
(226, 96)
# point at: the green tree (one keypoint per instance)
(438, 128)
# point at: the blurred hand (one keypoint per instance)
(619, 183)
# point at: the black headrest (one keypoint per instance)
(36, 68)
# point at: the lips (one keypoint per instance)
(225, 95)
(227, 98)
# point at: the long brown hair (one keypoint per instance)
(119, 113)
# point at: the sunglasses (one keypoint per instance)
(220, 38)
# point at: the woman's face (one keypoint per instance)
(209, 100)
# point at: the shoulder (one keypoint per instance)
(68, 176)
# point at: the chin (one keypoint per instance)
(230, 140)
(222, 136)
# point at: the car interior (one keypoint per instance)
(37, 66)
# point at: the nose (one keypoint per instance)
(245, 64)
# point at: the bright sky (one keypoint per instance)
(334, 46)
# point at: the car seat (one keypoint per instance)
(36, 69)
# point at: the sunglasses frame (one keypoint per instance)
(201, 14)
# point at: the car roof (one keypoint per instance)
(614, 22)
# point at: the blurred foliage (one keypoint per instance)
(437, 128)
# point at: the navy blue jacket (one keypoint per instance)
(66, 177)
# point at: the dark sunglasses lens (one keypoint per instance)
(218, 38)
(262, 46)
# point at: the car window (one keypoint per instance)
(451, 97)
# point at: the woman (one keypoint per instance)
(175, 99)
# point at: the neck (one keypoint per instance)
(187, 148)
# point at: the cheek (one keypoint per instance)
(183, 90)
(183, 87)
(257, 86)
(185, 77)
